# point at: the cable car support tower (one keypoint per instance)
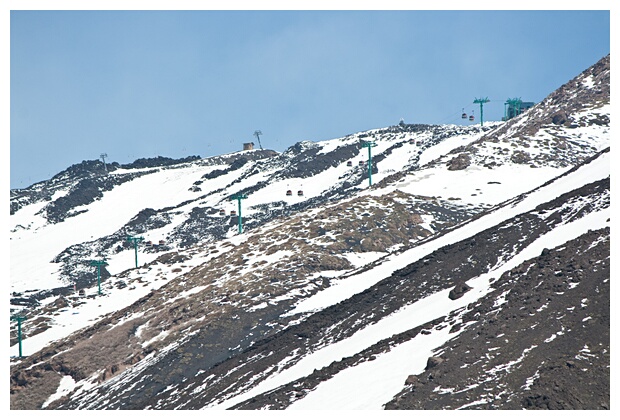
(19, 318)
(369, 144)
(135, 240)
(99, 264)
(239, 197)
(481, 101)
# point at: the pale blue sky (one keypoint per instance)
(176, 83)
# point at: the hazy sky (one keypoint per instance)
(142, 83)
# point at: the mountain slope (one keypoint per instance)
(324, 286)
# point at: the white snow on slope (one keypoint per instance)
(92, 308)
(382, 384)
(40, 242)
(34, 242)
(67, 383)
(344, 288)
(72, 319)
(30, 256)
(32, 250)
(370, 385)
(476, 185)
(447, 146)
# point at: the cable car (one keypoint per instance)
(349, 163)
(300, 193)
(222, 212)
(289, 192)
(411, 141)
(233, 212)
(162, 242)
(471, 117)
(464, 114)
(149, 243)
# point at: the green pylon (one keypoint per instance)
(369, 145)
(19, 319)
(135, 240)
(481, 101)
(239, 197)
(99, 264)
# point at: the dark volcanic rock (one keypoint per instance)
(458, 291)
(520, 156)
(559, 119)
(545, 347)
(459, 162)
(433, 362)
(158, 161)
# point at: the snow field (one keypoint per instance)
(477, 185)
(326, 394)
(31, 251)
(346, 287)
(369, 385)
(91, 310)
(368, 389)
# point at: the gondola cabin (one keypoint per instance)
(233, 212)
(222, 212)
(411, 141)
(289, 192)
(471, 118)
(349, 163)
(162, 242)
(300, 193)
(464, 115)
(149, 243)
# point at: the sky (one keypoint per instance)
(145, 83)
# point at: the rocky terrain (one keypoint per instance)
(481, 252)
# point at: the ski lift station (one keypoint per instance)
(514, 107)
